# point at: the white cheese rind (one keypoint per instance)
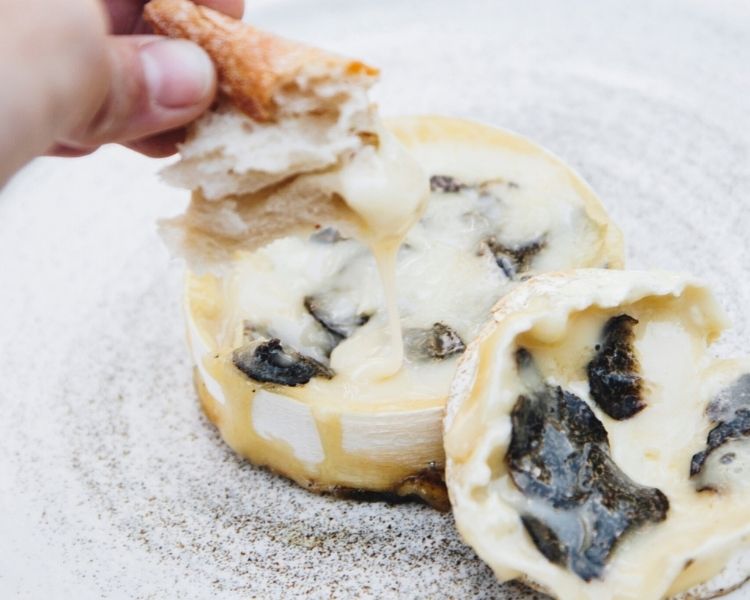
(279, 418)
(391, 435)
(199, 349)
(558, 318)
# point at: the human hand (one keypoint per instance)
(80, 73)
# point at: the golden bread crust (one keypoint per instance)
(252, 65)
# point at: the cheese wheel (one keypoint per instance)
(283, 338)
(595, 448)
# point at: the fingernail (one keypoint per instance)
(178, 73)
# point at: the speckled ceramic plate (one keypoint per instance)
(113, 484)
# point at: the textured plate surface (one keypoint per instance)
(112, 483)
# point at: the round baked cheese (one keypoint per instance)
(594, 446)
(285, 339)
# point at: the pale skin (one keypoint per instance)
(80, 73)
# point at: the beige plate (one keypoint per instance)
(113, 485)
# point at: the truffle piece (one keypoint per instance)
(730, 410)
(614, 382)
(512, 260)
(446, 184)
(271, 362)
(337, 316)
(580, 502)
(436, 343)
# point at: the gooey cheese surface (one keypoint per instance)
(500, 209)
(561, 323)
(389, 190)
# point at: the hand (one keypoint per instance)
(80, 73)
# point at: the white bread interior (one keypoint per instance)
(321, 119)
(211, 232)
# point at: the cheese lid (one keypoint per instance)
(594, 447)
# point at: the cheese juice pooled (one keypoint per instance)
(389, 190)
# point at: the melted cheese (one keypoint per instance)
(560, 322)
(388, 189)
(441, 275)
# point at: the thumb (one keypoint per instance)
(155, 84)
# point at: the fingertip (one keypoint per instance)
(178, 73)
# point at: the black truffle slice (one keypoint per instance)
(581, 503)
(446, 184)
(730, 410)
(614, 382)
(271, 362)
(513, 260)
(337, 316)
(436, 343)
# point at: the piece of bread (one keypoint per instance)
(212, 232)
(284, 108)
